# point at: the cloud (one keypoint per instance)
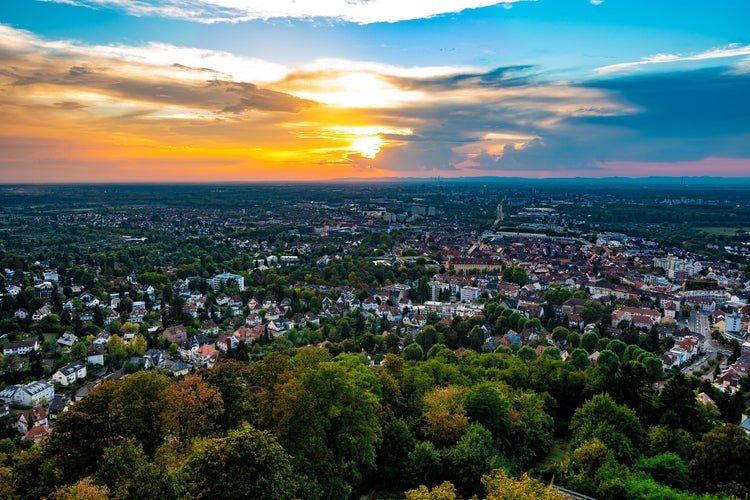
(233, 11)
(87, 110)
(733, 50)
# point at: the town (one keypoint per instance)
(124, 282)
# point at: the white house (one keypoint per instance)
(28, 395)
(70, 374)
(21, 347)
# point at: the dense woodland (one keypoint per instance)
(301, 424)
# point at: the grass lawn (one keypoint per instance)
(556, 454)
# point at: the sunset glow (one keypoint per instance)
(245, 91)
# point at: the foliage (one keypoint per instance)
(617, 427)
(720, 461)
(500, 486)
(246, 464)
(445, 491)
(194, 409)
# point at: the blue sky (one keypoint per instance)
(237, 89)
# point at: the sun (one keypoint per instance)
(368, 146)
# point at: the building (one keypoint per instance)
(70, 374)
(222, 279)
(28, 395)
(176, 334)
(476, 265)
(21, 347)
(733, 325)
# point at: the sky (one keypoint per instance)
(300, 90)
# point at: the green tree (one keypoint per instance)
(580, 359)
(413, 352)
(592, 311)
(614, 425)
(666, 468)
(471, 458)
(588, 341)
(484, 405)
(78, 352)
(128, 474)
(721, 460)
(81, 434)
(393, 455)
(560, 334)
(232, 380)
(138, 408)
(246, 464)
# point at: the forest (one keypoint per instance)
(303, 424)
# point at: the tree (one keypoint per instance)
(194, 409)
(721, 460)
(35, 475)
(78, 352)
(445, 420)
(500, 486)
(472, 457)
(445, 491)
(580, 359)
(413, 352)
(82, 433)
(592, 311)
(327, 417)
(560, 334)
(246, 464)
(116, 350)
(231, 378)
(526, 354)
(128, 474)
(484, 405)
(393, 455)
(138, 408)
(85, 489)
(589, 340)
(616, 426)
(666, 468)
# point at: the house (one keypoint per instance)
(31, 417)
(21, 347)
(58, 405)
(137, 315)
(42, 312)
(21, 314)
(573, 305)
(37, 433)
(206, 355)
(28, 395)
(643, 317)
(180, 369)
(67, 340)
(70, 374)
(278, 327)
(156, 357)
(111, 316)
(175, 334)
(95, 354)
(209, 327)
(685, 348)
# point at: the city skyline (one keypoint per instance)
(239, 90)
